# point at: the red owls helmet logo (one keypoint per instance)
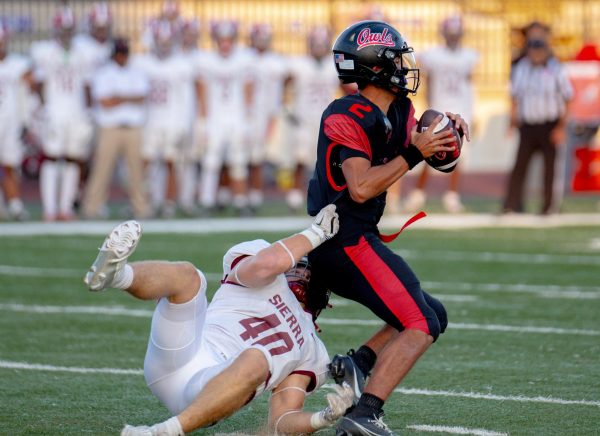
(366, 38)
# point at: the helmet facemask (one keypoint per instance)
(403, 74)
(312, 299)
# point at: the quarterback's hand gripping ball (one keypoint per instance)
(442, 161)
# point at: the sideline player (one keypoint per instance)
(226, 94)
(15, 76)
(167, 124)
(366, 143)
(206, 361)
(268, 73)
(97, 42)
(449, 70)
(62, 72)
(313, 83)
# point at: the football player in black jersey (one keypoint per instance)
(366, 143)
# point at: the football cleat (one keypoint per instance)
(115, 250)
(366, 425)
(343, 369)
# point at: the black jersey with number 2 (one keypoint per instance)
(352, 126)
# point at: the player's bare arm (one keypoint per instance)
(366, 181)
(264, 267)
(286, 415)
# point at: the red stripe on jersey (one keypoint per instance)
(410, 123)
(387, 285)
(332, 183)
(343, 130)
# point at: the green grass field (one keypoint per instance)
(520, 357)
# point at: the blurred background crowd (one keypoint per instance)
(203, 108)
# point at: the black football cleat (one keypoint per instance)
(363, 425)
(343, 369)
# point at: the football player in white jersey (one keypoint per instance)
(195, 142)
(206, 361)
(314, 84)
(62, 72)
(449, 72)
(167, 125)
(15, 75)
(97, 42)
(226, 93)
(268, 72)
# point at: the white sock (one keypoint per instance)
(68, 187)
(209, 181)
(15, 206)
(187, 183)
(123, 278)
(170, 427)
(240, 201)
(49, 178)
(255, 197)
(224, 196)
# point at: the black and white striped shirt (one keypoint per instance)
(541, 91)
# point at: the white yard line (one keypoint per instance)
(7, 364)
(38, 367)
(545, 291)
(481, 396)
(499, 257)
(289, 224)
(454, 430)
(11, 270)
(121, 311)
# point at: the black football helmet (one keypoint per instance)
(376, 53)
(315, 298)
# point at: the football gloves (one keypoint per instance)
(324, 227)
(339, 401)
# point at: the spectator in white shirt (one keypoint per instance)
(119, 92)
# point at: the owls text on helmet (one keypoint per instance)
(373, 52)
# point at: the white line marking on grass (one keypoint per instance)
(143, 313)
(39, 367)
(11, 270)
(544, 291)
(92, 310)
(290, 224)
(495, 257)
(406, 391)
(480, 396)
(454, 430)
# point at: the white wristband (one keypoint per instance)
(312, 236)
(287, 250)
(318, 421)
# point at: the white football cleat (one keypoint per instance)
(115, 250)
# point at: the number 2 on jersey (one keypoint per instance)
(255, 326)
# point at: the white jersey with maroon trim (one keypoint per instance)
(98, 52)
(170, 78)
(450, 81)
(196, 59)
(315, 84)
(65, 74)
(272, 320)
(12, 69)
(13, 108)
(225, 79)
(268, 71)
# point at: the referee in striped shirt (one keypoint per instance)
(540, 92)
